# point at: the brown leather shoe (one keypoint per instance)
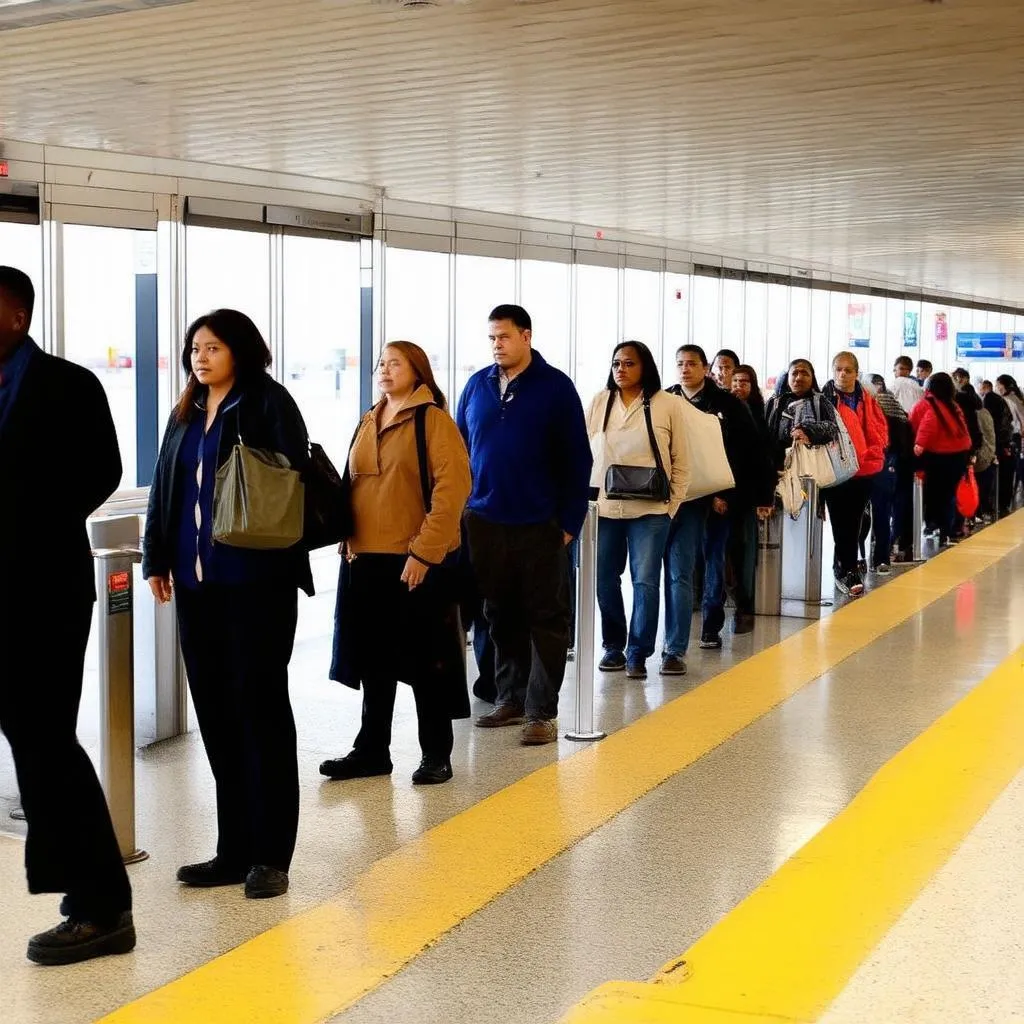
(503, 714)
(537, 732)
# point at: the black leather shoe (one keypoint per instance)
(211, 874)
(351, 766)
(263, 883)
(73, 941)
(432, 773)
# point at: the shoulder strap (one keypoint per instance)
(608, 410)
(420, 417)
(650, 436)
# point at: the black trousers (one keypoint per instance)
(942, 474)
(373, 743)
(71, 846)
(523, 576)
(237, 642)
(846, 506)
(1007, 481)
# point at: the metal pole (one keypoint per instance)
(768, 581)
(813, 548)
(917, 541)
(114, 584)
(586, 595)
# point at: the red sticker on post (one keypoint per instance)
(4, 169)
(119, 592)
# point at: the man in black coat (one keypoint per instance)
(59, 461)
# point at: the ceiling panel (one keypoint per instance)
(882, 136)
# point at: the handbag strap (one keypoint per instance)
(608, 410)
(656, 451)
(420, 417)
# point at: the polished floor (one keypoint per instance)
(539, 876)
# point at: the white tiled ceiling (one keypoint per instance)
(884, 136)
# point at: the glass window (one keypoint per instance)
(102, 330)
(733, 307)
(821, 316)
(799, 323)
(321, 343)
(21, 246)
(777, 332)
(416, 305)
(894, 332)
(545, 296)
(755, 321)
(707, 313)
(909, 338)
(677, 323)
(642, 308)
(481, 283)
(597, 327)
(228, 269)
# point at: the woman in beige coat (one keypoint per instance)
(397, 617)
(621, 422)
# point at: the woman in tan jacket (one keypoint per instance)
(397, 616)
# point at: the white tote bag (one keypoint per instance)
(813, 461)
(709, 467)
(790, 488)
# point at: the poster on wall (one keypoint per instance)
(910, 320)
(859, 315)
(941, 326)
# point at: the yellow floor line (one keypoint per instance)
(322, 961)
(787, 951)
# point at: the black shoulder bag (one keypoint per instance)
(637, 483)
(328, 511)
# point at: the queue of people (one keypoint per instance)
(429, 508)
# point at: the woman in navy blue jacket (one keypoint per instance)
(237, 608)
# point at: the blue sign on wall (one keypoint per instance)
(989, 345)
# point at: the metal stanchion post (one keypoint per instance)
(813, 525)
(917, 541)
(586, 591)
(115, 587)
(768, 580)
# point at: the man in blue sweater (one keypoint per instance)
(527, 437)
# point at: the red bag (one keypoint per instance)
(967, 496)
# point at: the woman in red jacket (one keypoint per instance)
(943, 444)
(847, 504)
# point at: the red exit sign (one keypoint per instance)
(4, 169)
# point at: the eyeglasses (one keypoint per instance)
(623, 364)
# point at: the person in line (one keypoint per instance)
(923, 371)
(986, 388)
(746, 388)
(885, 523)
(524, 427)
(397, 615)
(723, 366)
(59, 461)
(943, 445)
(906, 388)
(617, 422)
(705, 524)
(986, 467)
(1002, 419)
(1007, 387)
(961, 378)
(237, 607)
(847, 502)
(797, 412)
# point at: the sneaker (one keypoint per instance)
(264, 883)
(73, 941)
(743, 623)
(613, 661)
(636, 668)
(711, 642)
(503, 714)
(851, 585)
(539, 731)
(211, 874)
(432, 773)
(883, 569)
(673, 665)
(352, 766)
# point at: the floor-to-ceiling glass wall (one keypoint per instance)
(228, 268)
(597, 327)
(481, 283)
(544, 293)
(677, 322)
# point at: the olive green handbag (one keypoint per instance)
(258, 500)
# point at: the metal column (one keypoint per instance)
(586, 596)
(768, 578)
(116, 551)
(802, 542)
(917, 540)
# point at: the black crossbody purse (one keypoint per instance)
(637, 483)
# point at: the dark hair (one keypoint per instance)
(695, 350)
(923, 364)
(905, 361)
(420, 363)
(251, 354)
(516, 314)
(879, 382)
(1010, 384)
(782, 384)
(848, 355)
(940, 386)
(960, 372)
(987, 383)
(650, 379)
(968, 397)
(727, 353)
(756, 399)
(17, 285)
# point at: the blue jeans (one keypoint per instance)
(716, 542)
(685, 536)
(644, 541)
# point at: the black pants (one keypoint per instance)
(373, 743)
(71, 846)
(523, 577)
(988, 483)
(846, 506)
(1007, 481)
(942, 474)
(237, 642)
